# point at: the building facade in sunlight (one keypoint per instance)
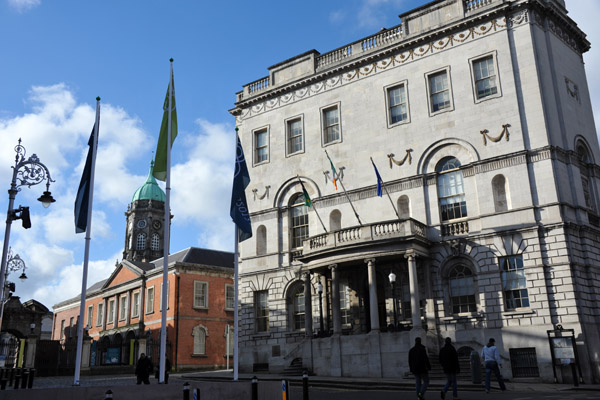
(123, 312)
(477, 116)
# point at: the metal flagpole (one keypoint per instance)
(386, 191)
(235, 301)
(165, 285)
(346, 193)
(313, 206)
(87, 250)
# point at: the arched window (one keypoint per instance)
(298, 221)
(462, 289)
(199, 333)
(296, 306)
(141, 241)
(261, 240)
(584, 159)
(155, 243)
(499, 192)
(335, 220)
(451, 190)
(404, 207)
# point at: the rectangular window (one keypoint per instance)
(295, 136)
(345, 304)
(62, 329)
(123, 308)
(150, 300)
(200, 294)
(71, 327)
(100, 316)
(514, 283)
(110, 317)
(160, 300)
(261, 310)
(229, 297)
(331, 125)
(397, 104)
(261, 146)
(485, 77)
(439, 91)
(135, 305)
(90, 314)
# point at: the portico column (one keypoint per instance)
(335, 299)
(308, 320)
(373, 294)
(414, 293)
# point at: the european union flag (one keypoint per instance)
(379, 181)
(82, 200)
(239, 206)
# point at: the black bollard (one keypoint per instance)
(24, 378)
(197, 394)
(17, 379)
(31, 375)
(3, 384)
(305, 385)
(254, 388)
(108, 394)
(11, 376)
(186, 391)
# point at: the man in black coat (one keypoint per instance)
(143, 369)
(418, 363)
(449, 362)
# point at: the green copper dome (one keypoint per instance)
(149, 190)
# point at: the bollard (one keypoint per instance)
(108, 394)
(24, 378)
(197, 394)
(3, 384)
(31, 375)
(254, 388)
(186, 391)
(284, 390)
(17, 379)
(305, 385)
(11, 376)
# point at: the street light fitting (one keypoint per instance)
(46, 199)
(392, 277)
(319, 288)
(23, 276)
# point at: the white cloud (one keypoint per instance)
(24, 5)
(373, 13)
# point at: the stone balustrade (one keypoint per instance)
(455, 228)
(471, 5)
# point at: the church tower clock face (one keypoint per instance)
(141, 223)
(156, 224)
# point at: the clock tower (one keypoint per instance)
(144, 235)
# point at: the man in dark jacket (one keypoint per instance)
(143, 369)
(449, 362)
(418, 363)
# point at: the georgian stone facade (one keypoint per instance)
(478, 117)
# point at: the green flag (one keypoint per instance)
(307, 201)
(160, 162)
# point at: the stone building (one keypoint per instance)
(478, 117)
(123, 312)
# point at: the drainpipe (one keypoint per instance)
(176, 319)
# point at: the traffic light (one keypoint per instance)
(25, 217)
(11, 286)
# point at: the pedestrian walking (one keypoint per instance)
(167, 370)
(491, 360)
(449, 361)
(419, 365)
(143, 369)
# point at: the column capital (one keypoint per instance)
(305, 275)
(410, 255)
(370, 260)
(333, 267)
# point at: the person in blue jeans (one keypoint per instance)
(491, 360)
(449, 361)
(418, 363)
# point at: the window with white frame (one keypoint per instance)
(514, 283)
(296, 309)
(331, 124)
(135, 305)
(484, 77)
(229, 297)
(200, 294)
(199, 333)
(397, 102)
(451, 189)
(62, 329)
(161, 291)
(298, 221)
(150, 300)
(345, 310)
(295, 135)
(100, 316)
(462, 289)
(261, 310)
(123, 308)
(90, 316)
(155, 242)
(261, 146)
(110, 317)
(439, 91)
(141, 241)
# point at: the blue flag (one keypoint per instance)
(379, 181)
(82, 201)
(239, 206)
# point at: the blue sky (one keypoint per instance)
(59, 55)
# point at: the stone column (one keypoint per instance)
(308, 320)
(30, 351)
(335, 299)
(373, 295)
(417, 329)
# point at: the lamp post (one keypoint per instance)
(392, 277)
(320, 290)
(26, 172)
(13, 264)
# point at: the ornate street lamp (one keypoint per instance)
(26, 172)
(392, 278)
(14, 264)
(320, 290)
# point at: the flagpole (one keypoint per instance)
(167, 220)
(235, 302)
(386, 191)
(346, 193)
(87, 250)
(314, 208)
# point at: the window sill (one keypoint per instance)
(518, 311)
(463, 316)
(488, 97)
(395, 124)
(261, 335)
(442, 111)
(199, 356)
(200, 308)
(229, 309)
